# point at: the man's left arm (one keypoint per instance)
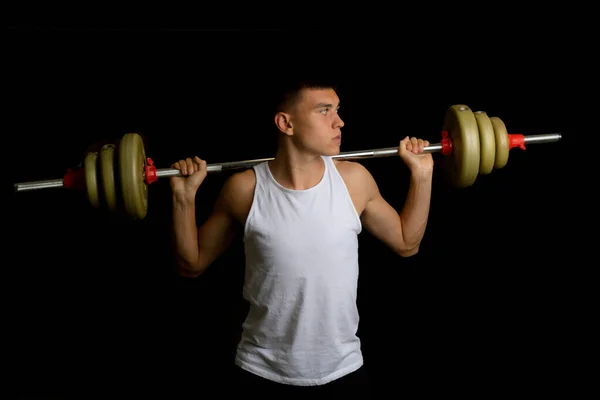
(402, 231)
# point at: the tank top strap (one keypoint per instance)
(261, 172)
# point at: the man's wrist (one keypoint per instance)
(421, 174)
(183, 199)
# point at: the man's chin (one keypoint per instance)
(333, 151)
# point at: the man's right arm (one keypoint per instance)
(197, 248)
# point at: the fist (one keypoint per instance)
(411, 150)
(193, 172)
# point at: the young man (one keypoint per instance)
(299, 216)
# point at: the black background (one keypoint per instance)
(490, 299)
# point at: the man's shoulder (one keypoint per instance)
(244, 178)
(353, 172)
(238, 189)
(359, 181)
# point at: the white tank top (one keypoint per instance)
(301, 281)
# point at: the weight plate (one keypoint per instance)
(91, 178)
(132, 159)
(462, 166)
(487, 143)
(502, 145)
(107, 176)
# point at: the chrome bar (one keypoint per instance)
(545, 138)
(349, 155)
(51, 183)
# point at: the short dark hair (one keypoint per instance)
(287, 91)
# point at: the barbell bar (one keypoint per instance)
(119, 174)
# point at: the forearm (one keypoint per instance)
(415, 213)
(185, 233)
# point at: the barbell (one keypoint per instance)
(118, 175)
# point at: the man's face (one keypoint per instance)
(316, 123)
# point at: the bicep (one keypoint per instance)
(217, 232)
(382, 220)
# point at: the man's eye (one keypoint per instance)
(327, 109)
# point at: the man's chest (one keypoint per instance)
(321, 240)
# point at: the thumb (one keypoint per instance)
(198, 176)
(402, 146)
(202, 167)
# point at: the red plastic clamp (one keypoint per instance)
(446, 144)
(74, 179)
(150, 171)
(516, 140)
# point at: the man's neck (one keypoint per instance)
(297, 170)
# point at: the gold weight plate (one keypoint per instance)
(462, 166)
(502, 145)
(91, 178)
(107, 176)
(132, 159)
(487, 143)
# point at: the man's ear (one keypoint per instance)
(283, 122)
